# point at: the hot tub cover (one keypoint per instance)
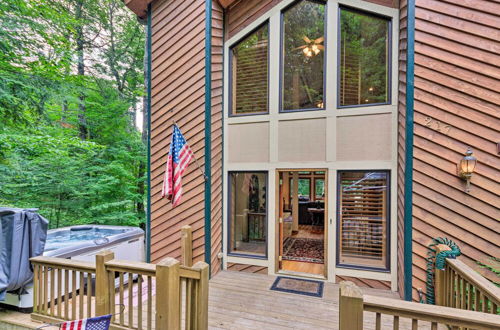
(22, 236)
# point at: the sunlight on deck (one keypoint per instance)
(240, 300)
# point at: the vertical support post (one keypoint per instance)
(187, 246)
(199, 319)
(350, 306)
(439, 279)
(167, 294)
(102, 300)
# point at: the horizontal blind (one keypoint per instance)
(363, 221)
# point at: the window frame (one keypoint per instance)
(229, 218)
(389, 56)
(230, 77)
(338, 264)
(282, 57)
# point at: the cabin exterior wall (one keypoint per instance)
(457, 104)
(178, 93)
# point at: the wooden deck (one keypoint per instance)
(239, 300)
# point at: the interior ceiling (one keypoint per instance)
(139, 7)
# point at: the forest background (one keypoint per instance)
(71, 101)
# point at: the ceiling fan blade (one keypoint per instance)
(319, 40)
(301, 47)
(320, 47)
(306, 39)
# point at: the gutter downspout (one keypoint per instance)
(148, 115)
(208, 132)
(408, 187)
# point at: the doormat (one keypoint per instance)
(304, 249)
(299, 286)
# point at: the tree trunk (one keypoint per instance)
(82, 120)
(145, 106)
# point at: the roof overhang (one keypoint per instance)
(140, 7)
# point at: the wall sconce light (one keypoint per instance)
(466, 168)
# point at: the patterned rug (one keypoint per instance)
(298, 286)
(304, 249)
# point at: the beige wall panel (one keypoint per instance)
(302, 140)
(248, 143)
(364, 138)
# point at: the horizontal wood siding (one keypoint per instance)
(401, 144)
(365, 283)
(240, 14)
(217, 88)
(247, 268)
(178, 73)
(457, 104)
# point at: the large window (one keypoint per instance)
(364, 59)
(363, 219)
(249, 73)
(248, 213)
(303, 56)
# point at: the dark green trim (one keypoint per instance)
(148, 118)
(208, 131)
(408, 189)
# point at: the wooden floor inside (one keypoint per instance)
(239, 300)
(305, 231)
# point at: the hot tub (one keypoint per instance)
(84, 242)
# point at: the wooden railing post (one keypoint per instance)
(350, 306)
(102, 297)
(187, 246)
(167, 294)
(440, 278)
(199, 309)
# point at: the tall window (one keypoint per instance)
(249, 74)
(303, 56)
(248, 213)
(364, 58)
(363, 219)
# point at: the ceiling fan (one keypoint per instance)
(312, 47)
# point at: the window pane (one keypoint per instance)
(363, 219)
(319, 187)
(303, 56)
(304, 189)
(248, 210)
(249, 73)
(364, 49)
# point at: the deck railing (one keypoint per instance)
(166, 295)
(397, 314)
(459, 286)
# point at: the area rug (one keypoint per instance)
(304, 249)
(298, 286)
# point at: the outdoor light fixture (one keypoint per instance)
(466, 168)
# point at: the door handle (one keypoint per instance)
(330, 220)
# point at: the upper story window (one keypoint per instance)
(364, 59)
(249, 73)
(303, 56)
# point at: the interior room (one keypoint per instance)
(302, 208)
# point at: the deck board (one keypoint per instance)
(240, 300)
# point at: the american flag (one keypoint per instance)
(93, 323)
(178, 160)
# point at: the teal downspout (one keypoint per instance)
(148, 118)
(408, 188)
(208, 131)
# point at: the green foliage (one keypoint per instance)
(43, 162)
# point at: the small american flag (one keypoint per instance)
(93, 323)
(178, 160)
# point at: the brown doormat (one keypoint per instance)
(299, 286)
